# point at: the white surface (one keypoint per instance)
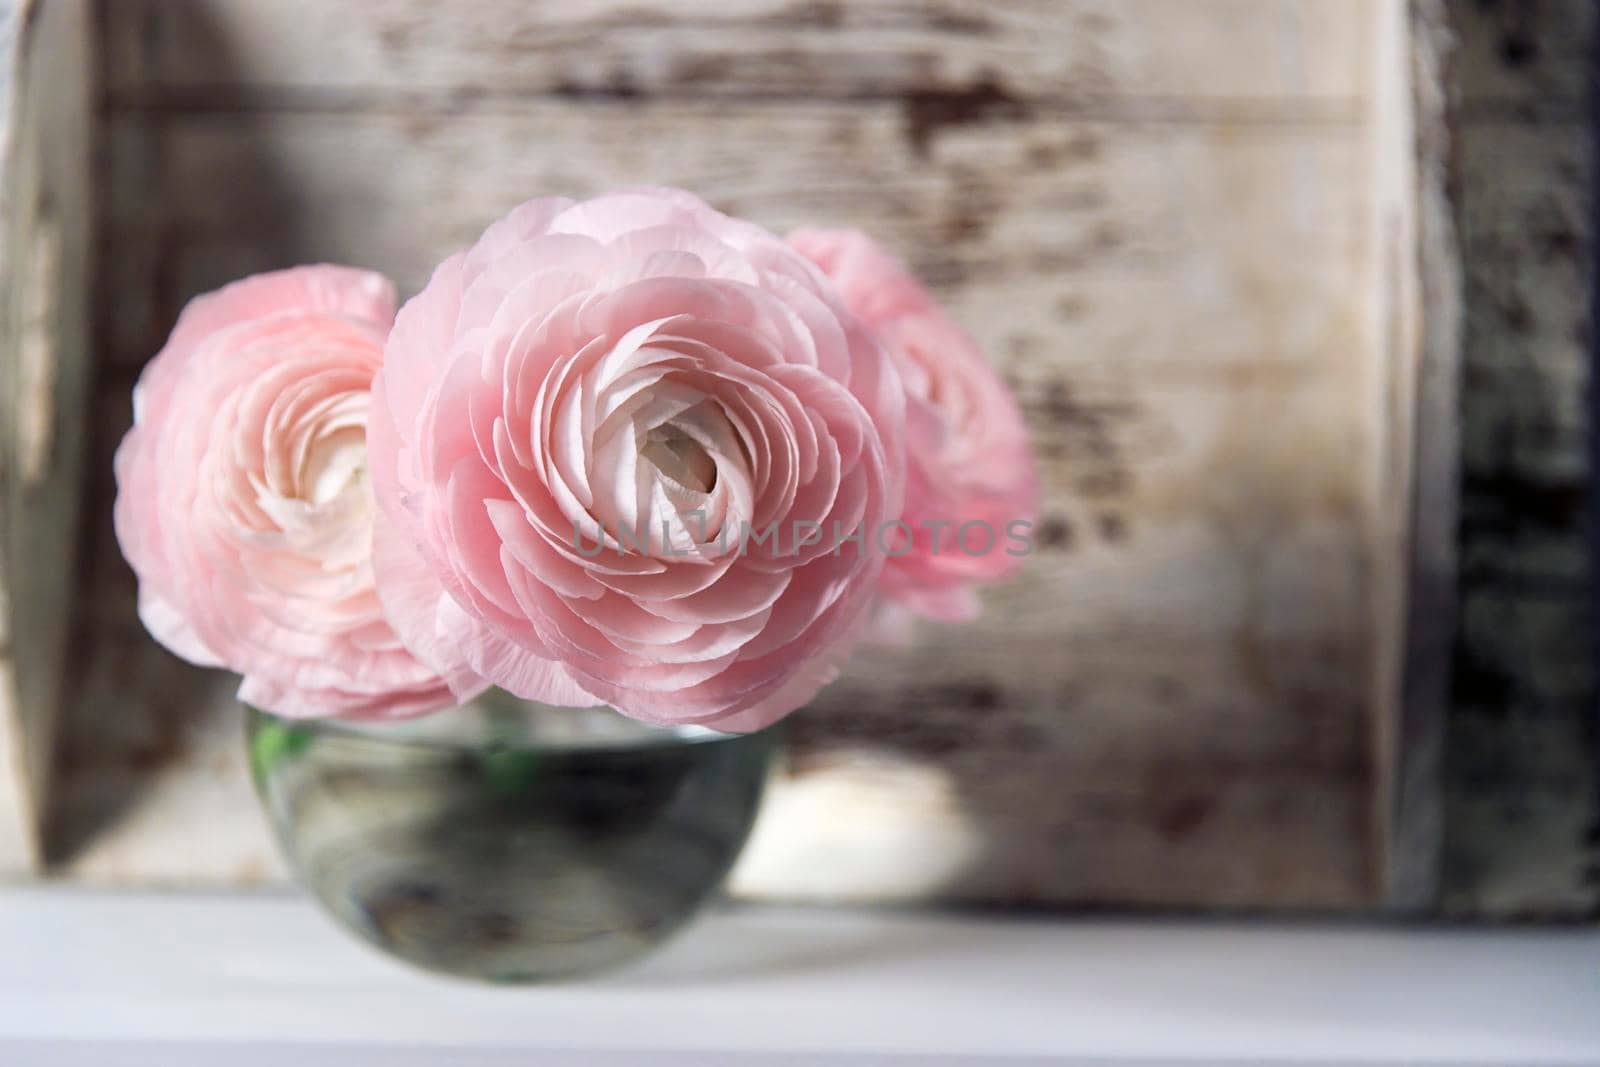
(103, 979)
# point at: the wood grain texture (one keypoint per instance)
(1137, 57)
(1522, 785)
(45, 240)
(1420, 332)
(19, 836)
(1159, 217)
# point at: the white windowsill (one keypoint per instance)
(96, 977)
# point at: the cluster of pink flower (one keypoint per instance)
(371, 515)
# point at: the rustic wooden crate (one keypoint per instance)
(45, 323)
(1206, 242)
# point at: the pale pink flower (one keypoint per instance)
(242, 499)
(638, 366)
(971, 493)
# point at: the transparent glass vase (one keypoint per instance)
(509, 841)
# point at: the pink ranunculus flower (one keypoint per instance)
(971, 492)
(588, 427)
(242, 499)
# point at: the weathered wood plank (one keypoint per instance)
(1522, 783)
(18, 818)
(952, 59)
(1083, 212)
(1419, 326)
(45, 220)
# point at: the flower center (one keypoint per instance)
(680, 457)
(335, 464)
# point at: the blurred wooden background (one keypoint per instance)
(1196, 235)
(1522, 768)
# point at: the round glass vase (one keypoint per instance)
(508, 841)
